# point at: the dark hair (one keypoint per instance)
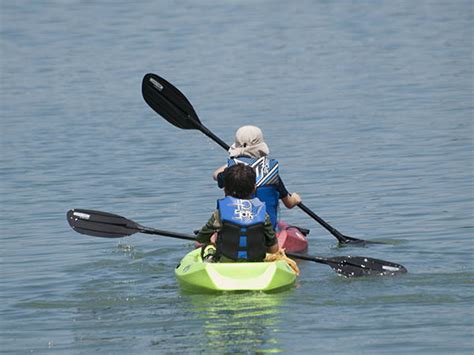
(239, 181)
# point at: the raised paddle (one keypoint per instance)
(171, 104)
(108, 225)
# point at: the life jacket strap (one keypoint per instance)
(242, 243)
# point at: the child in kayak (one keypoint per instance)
(250, 149)
(240, 227)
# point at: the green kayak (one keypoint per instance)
(194, 274)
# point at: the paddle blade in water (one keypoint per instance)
(350, 241)
(169, 102)
(357, 266)
(100, 224)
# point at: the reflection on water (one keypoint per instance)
(239, 322)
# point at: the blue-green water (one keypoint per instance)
(367, 105)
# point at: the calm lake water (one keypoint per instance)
(367, 105)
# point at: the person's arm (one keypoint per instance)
(289, 200)
(212, 226)
(271, 241)
(218, 171)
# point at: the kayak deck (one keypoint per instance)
(193, 273)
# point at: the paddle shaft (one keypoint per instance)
(211, 135)
(316, 259)
(322, 222)
(183, 236)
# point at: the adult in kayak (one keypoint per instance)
(250, 149)
(240, 227)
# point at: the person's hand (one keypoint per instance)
(292, 200)
(214, 238)
(296, 199)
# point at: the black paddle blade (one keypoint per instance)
(357, 266)
(345, 240)
(101, 224)
(169, 102)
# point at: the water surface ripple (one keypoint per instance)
(368, 107)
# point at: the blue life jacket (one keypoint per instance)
(243, 235)
(267, 175)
